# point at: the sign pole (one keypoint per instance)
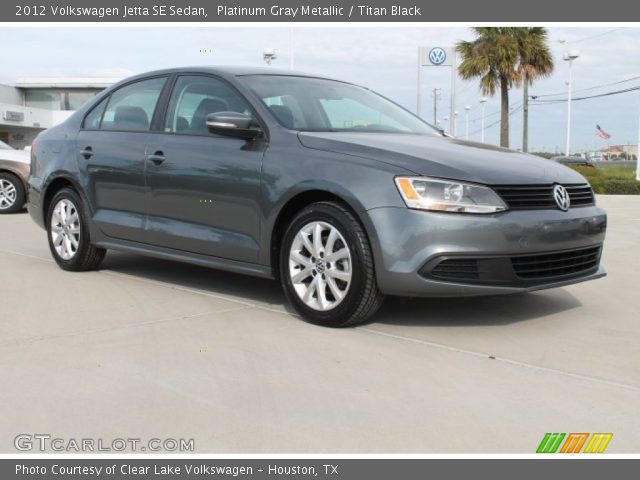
(452, 129)
(438, 57)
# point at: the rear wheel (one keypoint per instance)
(12, 193)
(68, 233)
(326, 267)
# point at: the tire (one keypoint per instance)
(12, 193)
(68, 233)
(331, 283)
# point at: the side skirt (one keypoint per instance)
(188, 257)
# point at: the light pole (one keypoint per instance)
(638, 153)
(436, 94)
(454, 127)
(570, 57)
(269, 55)
(466, 121)
(291, 40)
(483, 100)
(419, 85)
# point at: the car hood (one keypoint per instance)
(445, 157)
(19, 156)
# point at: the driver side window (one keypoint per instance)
(194, 97)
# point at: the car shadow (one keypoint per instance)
(469, 311)
(184, 275)
(451, 312)
(22, 210)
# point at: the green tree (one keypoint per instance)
(493, 57)
(535, 62)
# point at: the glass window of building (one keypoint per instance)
(43, 99)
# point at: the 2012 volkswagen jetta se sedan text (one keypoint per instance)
(334, 190)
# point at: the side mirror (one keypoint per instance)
(232, 124)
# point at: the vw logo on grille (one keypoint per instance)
(561, 196)
(437, 56)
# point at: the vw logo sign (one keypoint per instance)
(561, 196)
(437, 56)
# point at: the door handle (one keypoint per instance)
(157, 158)
(87, 153)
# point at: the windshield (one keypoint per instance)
(318, 105)
(4, 146)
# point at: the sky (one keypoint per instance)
(382, 58)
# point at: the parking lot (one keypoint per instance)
(147, 348)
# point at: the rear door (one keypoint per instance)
(111, 155)
(204, 189)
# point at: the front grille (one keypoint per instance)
(556, 264)
(457, 269)
(580, 195)
(514, 270)
(529, 197)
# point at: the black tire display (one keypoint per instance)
(68, 233)
(326, 267)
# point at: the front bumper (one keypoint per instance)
(407, 244)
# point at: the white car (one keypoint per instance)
(14, 173)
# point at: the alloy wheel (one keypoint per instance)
(8, 194)
(65, 229)
(320, 266)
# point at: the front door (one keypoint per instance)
(204, 189)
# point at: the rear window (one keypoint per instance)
(131, 107)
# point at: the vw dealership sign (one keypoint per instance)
(436, 56)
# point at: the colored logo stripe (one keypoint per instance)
(550, 443)
(574, 443)
(598, 442)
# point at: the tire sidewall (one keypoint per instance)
(335, 217)
(85, 241)
(21, 195)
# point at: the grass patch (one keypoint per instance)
(612, 180)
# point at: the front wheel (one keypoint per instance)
(68, 233)
(326, 267)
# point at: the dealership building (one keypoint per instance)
(37, 103)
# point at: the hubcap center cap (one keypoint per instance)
(320, 266)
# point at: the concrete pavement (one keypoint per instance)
(146, 348)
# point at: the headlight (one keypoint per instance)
(426, 193)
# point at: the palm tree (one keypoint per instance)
(536, 61)
(493, 56)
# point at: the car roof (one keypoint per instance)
(228, 71)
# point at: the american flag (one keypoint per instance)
(601, 133)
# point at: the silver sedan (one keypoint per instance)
(14, 173)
